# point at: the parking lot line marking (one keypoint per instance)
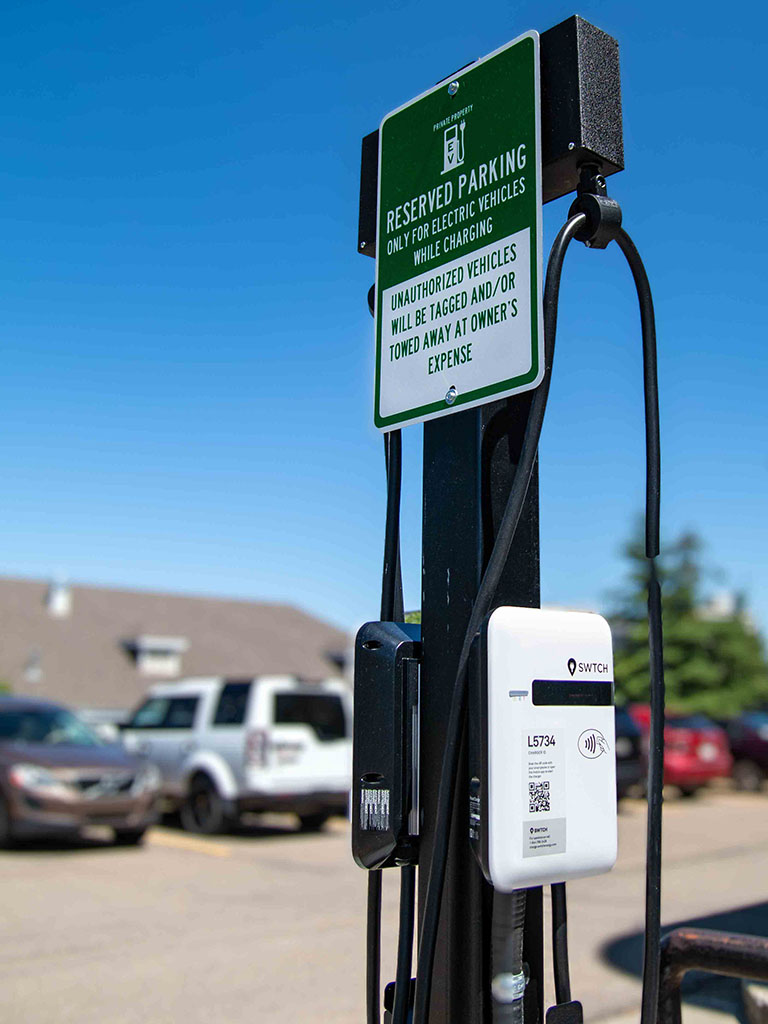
(177, 841)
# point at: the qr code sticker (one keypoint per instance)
(538, 797)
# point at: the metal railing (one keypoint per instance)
(701, 949)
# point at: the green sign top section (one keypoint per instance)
(458, 246)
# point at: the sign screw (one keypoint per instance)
(571, 145)
(453, 88)
(450, 395)
(362, 245)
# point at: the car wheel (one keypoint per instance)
(129, 836)
(689, 791)
(203, 810)
(748, 776)
(6, 827)
(313, 822)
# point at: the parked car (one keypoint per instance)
(57, 775)
(630, 752)
(696, 749)
(225, 746)
(748, 736)
(105, 722)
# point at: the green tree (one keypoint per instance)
(714, 659)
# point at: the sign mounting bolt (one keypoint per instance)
(450, 395)
(453, 88)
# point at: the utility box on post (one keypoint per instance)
(581, 121)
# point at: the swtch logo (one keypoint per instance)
(599, 668)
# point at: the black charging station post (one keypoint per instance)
(469, 462)
(469, 465)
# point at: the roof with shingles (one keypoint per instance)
(85, 662)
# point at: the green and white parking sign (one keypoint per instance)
(458, 251)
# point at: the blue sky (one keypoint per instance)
(186, 386)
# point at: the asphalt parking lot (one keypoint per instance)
(268, 925)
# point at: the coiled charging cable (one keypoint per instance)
(482, 606)
(584, 226)
(652, 939)
(652, 931)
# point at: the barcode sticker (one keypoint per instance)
(374, 810)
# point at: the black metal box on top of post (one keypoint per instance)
(581, 120)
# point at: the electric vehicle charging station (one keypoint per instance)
(435, 214)
(542, 739)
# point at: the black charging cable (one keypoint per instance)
(560, 964)
(373, 949)
(402, 1003)
(603, 226)
(652, 940)
(392, 610)
(391, 575)
(597, 226)
(482, 605)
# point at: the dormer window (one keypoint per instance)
(158, 656)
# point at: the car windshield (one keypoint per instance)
(45, 725)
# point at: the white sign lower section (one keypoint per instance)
(458, 328)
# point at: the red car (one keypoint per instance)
(696, 750)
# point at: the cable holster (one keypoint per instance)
(385, 748)
(603, 214)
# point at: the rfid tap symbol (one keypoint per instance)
(592, 743)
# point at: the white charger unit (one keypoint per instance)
(542, 747)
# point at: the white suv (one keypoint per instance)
(224, 746)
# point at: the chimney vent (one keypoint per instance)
(58, 600)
